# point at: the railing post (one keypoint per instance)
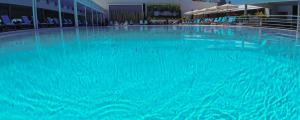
(59, 13)
(34, 15)
(298, 18)
(101, 19)
(75, 13)
(246, 10)
(92, 17)
(85, 17)
(260, 22)
(97, 18)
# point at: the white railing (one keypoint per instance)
(275, 21)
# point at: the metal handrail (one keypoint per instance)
(276, 21)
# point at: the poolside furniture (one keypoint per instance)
(116, 23)
(56, 21)
(131, 23)
(197, 21)
(141, 22)
(125, 23)
(50, 22)
(206, 21)
(26, 22)
(43, 24)
(8, 25)
(65, 22)
(232, 20)
(80, 23)
(70, 22)
(1, 26)
(216, 20)
(145, 22)
(222, 20)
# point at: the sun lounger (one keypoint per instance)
(125, 23)
(56, 21)
(80, 23)
(1, 26)
(145, 22)
(70, 22)
(26, 22)
(231, 20)
(117, 23)
(141, 22)
(50, 22)
(43, 24)
(67, 23)
(8, 25)
(131, 23)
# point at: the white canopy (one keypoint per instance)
(222, 8)
(227, 7)
(207, 10)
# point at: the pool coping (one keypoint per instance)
(12, 33)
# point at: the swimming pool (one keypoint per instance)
(151, 73)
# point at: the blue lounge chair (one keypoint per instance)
(42, 25)
(217, 20)
(50, 22)
(56, 21)
(141, 22)
(198, 21)
(223, 20)
(80, 23)
(231, 19)
(65, 22)
(131, 22)
(26, 22)
(145, 22)
(70, 21)
(7, 23)
(1, 26)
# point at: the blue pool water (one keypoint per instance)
(150, 73)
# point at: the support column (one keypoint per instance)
(34, 15)
(298, 19)
(92, 17)
(100, 21)
(97, 18)
(59, 13)
(246, 10)
(75, 13)
(85, 17)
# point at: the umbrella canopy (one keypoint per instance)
(189, 12)
(210, 10)
(214, 8)
(193, 12)
(228, 7)
(203, 11)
